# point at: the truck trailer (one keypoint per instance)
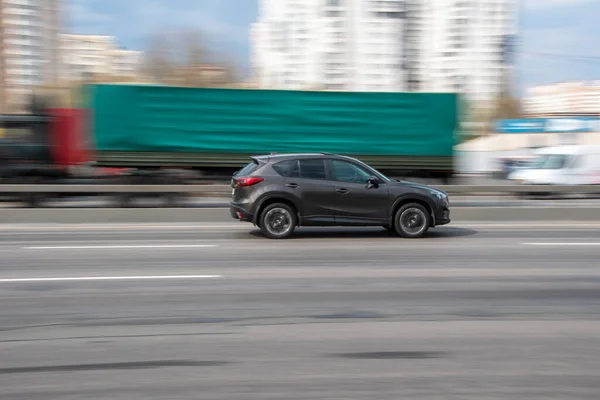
(149, 134)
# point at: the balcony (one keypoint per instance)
(334, 13)
(387, 5)
(335, 80)
(382, 9)
(339, 59)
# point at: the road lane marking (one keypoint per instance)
(101, 247)
(120, 226)
(564, 244)
(230, 226)
(109, 278)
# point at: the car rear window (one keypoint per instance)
(248, 169)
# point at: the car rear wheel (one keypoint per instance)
(278, 221)
(412, 221)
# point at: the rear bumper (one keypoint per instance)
(240, 213)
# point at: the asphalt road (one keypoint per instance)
(216, 202)
(217, 312)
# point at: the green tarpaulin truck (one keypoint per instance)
(147, 126)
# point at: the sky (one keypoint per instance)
(551, 31)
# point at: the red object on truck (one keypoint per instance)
(70, 138)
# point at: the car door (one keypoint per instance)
(308, 182)
(355, 201)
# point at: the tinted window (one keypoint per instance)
(347, 172)
(550, 161)
(310, 169)
(285, 168)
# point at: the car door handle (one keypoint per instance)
(342, 190)
(292, 185)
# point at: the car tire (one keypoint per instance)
(412, 221)
(278, 221)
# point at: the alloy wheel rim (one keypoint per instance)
(278, 221)
(413, 221)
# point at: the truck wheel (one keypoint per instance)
(412, 221)
(171, 200)
(33, 200)
(123, 200)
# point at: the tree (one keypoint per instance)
(507, 105)
(158, 61)
(230, 71)
(182, 58)
(480, 119)
(190, 68)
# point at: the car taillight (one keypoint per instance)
(245, 182)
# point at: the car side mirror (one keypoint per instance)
(373, 182)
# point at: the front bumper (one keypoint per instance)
(443, 218)
(442, 212)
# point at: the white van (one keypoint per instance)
(561, 165)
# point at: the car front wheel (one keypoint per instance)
(278, 221)
(412, 221)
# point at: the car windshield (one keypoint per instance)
(549, 161)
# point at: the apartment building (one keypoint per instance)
(28, 49)
(563, 99)
(464, 46)
(89, 56)
(333, 44)
(386, 45)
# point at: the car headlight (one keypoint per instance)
(442, 196)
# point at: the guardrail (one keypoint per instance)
(225, 190)
(95, 189)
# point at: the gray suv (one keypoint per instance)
(280, 192)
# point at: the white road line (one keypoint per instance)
(526, 226)
(36, 228)
(564, 244)
(119, 226)
(110, 278)
(148, 246)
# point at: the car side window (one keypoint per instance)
(350, 173)
(310, 169)
(576, 162)
(286, 168)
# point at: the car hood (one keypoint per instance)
(419, 186)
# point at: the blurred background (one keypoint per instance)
(123, 276)
(516, 92)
